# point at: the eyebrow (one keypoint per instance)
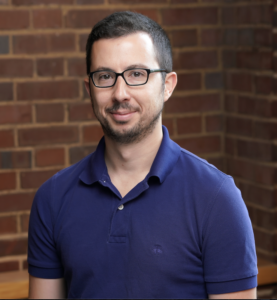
(102, 68)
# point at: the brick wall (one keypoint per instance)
(46, 121)
(250, 113)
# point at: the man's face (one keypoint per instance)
(127, 113)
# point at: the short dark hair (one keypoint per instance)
(126, 22)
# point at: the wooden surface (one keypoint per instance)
(15, 285)
(267, 272)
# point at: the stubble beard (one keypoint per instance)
(133, 135)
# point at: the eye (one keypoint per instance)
(105, 76)
(137, 74)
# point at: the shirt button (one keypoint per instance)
(120, 207)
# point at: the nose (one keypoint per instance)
(120, 90)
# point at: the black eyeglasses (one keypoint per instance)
(132, 77)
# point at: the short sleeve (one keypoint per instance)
(43, 259)
(229, 254)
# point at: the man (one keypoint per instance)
(140, 217)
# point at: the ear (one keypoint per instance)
(170, 84)
(86, 81)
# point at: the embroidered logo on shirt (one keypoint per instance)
(157, 249)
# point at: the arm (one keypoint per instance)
(40, 288)
(247, 294)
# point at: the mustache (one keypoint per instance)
(119, 105)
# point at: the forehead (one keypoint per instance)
(119, 53)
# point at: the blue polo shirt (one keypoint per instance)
(182, 232)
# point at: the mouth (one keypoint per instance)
(122, 115)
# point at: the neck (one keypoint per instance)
(133, 156)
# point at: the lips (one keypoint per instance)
(122, 115)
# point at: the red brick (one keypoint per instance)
(38, 90)
(50, 66)
(7, 181)
(229, 59)
(150, 13)
(205, 144)
(78, 153)
(258, 195)
(254, 14)
(25, 265)
(15, 159)
(190, 81)
(50, 157)
(230, 146)
(195, 60)
(213, 123)
(218, 162)
(230, 103)
(264, 84)
(16, 202)
(255, 107)
(239, 126)
(6, 138)
(183, 1)
(50, 18)
(30, 44)
(255, 150)
(184, 38)
(189, 16)
(83, 41)
(14, 114)
(264, 240)
(13, 247)
(46, 135)
(168, 123)
(90, 2)
(211, 37)
(229, 15)
(241, 82)
(77, 67)
(44, 43)
(14, 19)
(24, 222)
(194, 103)
(261, 218)
(251, 171)
(6, 91)
(37, 2)
(92, 133)
(265, 130)
(62, 42)
(8, 266)
(34, 179)
(16, 67)
(136, 1)
(263, 37)
(8, 225)
(189, 125)
(85, 18)
(254, 60)
(80, 112)
(50, 113)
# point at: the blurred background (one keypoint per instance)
(224, 108)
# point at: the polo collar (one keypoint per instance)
(163, 164)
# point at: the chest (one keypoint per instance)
(145, 239)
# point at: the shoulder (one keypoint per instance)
(199, 173)
(53, 191)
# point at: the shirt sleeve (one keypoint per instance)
(43, 258)
(229, 254)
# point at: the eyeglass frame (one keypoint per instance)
(149, 71)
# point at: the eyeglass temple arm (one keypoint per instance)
(157, 70)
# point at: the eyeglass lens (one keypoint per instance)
(132, 77)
